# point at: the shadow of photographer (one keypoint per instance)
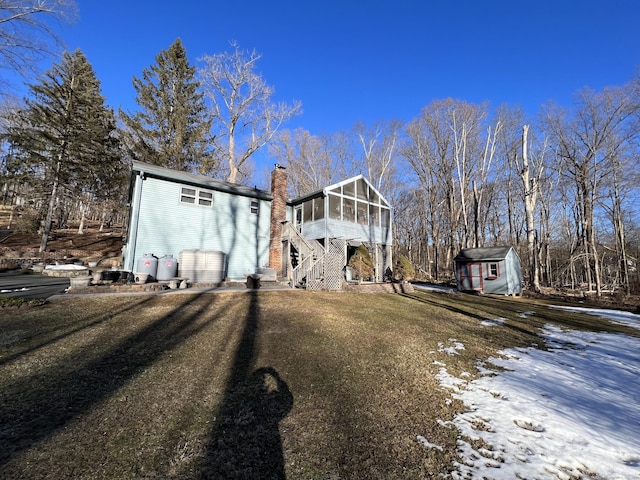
(247, 442)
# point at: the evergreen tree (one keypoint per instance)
(65, 136)
(361, 263)
(171, 128)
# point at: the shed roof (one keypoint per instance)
(199, 180)
(485, 253)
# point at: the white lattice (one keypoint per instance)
(335, 261)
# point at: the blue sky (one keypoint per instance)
(349, 61)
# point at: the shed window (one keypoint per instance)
(195, 196)
(255, 207)
(494, 270)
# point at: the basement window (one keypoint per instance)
(195, 196)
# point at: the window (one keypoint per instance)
(318, 209)
(349, 189)
(255, 207)
(362, 190)
(385, 218)
(335, 212)
(362, 212)
(308, 211)
(374, 215)
(205, 198)
(348, 210)
(494, 271)
(188, 195)
(196, 196)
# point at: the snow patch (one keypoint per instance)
(570, 411)
(428, 444)
(452, 349)
(489, 322)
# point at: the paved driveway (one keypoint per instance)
(20, 285)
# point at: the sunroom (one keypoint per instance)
(344, 215)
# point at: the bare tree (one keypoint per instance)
(602, 125)
(312, 162)
(530, 173)
(379, 149)
(245, 118)
(26, 31)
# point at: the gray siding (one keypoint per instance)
(468, 262)
(498, 285)
(165, 225)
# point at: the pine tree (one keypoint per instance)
(65, 135)
(171, 128)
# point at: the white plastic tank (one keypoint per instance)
(148, 264)
(167, 267)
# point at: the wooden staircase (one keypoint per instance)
(309, 270)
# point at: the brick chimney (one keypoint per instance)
(278, 216)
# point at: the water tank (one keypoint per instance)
(148, 264)
(202, 266)
(167, 267)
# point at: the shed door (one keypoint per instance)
(470, 275)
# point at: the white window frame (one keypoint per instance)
(196, 196)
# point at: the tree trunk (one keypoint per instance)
(530, 194)
(46, 228)
(83, 216)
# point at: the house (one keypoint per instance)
(489, 270)
(223, 226)
(221, 231)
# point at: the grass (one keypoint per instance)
(245, 385)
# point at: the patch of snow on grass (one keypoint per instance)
(451, 350)
(571, 411)
(490, 322)
(428, 444)
(615, 316)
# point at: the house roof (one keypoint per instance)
(198, 180)
(323, 192)
(485, 253)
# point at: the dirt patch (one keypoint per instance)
(103, 246)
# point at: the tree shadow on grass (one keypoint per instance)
(44, 338)
(469, 311)
(245, 439)
(34, 407)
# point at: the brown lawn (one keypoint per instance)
(280, 384)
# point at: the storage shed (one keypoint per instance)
(489, 270)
